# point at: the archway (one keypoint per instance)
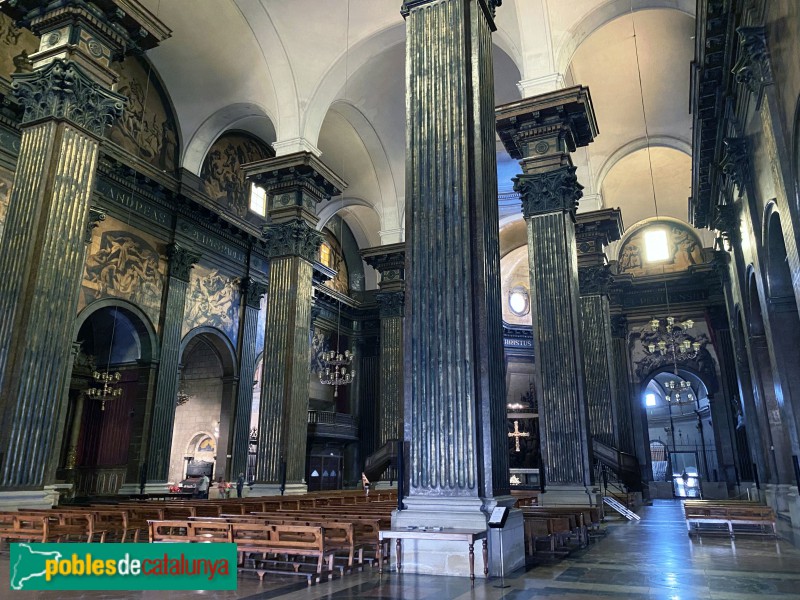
(679, 419)
(100, 444)
(204, 406)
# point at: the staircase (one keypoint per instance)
(625, 466)
(383, 459)
(628, 514)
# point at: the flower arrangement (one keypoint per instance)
(174, 489)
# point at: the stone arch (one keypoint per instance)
(660, 141)
(246, 116)
(145, 329)
(778, 273)
(220, 342)
(605, 13)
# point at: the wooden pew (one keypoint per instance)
(730, 514)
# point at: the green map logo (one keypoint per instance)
(73, 566)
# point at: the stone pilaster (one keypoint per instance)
(541, 132)
(594, 231)
(295, 183)
(181, 262)
(252, 292)
(390, 262)
(67, 105)
(453, 350)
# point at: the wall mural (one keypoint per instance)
(6, 180)
(123, 264)
(683, 246)
(221, 175)
(16, 45)
(147, 128)
(334, 258)
(212, 300)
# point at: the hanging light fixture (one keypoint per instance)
(673, 340)
(105, 389)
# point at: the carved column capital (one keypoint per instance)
(619, 326)
(96, 215)
(390, 304)
(553, 191)
(181, 261)
(594, 280)
(293, 238)
(753, 69)
(726, 221)
(253, 291)
(62, 90)
(735, 163)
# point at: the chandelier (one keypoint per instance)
(105, 390)
(337, 369)
(679, 393)
(673, 340)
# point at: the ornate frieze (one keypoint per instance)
(253, 291)
(554, 191)
(293, 238)
(181, 262)
(735, 164)
(594, 280)
(62, 90)
(95, 217)
(390, 304)
(753, 69)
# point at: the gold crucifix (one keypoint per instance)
(516, 434)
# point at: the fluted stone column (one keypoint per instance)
(390, 262)
(541, 132)
(181, 262)
(252, 292)
(594, 231)
(68, 104)
(295, 183)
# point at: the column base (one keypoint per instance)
(274, 489)
(783, 491)
(771, 495)
(47, 497)
(570, 494)
(431, 557)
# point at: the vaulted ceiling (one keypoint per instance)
(328, 76)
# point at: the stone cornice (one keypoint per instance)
(489, 7)
(553, 191)
(390, 262)
(594, 231)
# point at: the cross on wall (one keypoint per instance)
(516, 434)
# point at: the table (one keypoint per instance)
(444, 535)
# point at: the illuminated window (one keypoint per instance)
(655, 242)
(650, 399)
(325, 255)
(258, 200)
(518, 301)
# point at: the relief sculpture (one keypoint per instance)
(212, 300)
(683, 250)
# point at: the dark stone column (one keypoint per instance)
(541, 132)
(390, 262)
(181, 262)
(594, 231)
(68, 104)
(252, 291)
(453, 348)
(295, 183)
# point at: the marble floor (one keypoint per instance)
(653, 559)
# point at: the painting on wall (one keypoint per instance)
(331, 255)
(212, 300)
(124, 264)
(6, 180)
(222, 176)
(680, 246)
(147, 128)
(16, 45)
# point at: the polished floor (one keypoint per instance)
(653, 559)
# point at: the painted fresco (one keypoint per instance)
(124, 264)
(6, 179)
(147, 129)
(334, 258)
(223, 179)
(684, 250)
(212, 300)
(16, 45)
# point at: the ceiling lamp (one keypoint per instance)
(673, 341)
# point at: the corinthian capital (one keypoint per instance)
(553, 191)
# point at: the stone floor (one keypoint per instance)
(650, 560)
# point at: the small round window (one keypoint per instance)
(518, 301)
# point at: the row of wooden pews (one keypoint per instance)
(561, 527)
(729, 516)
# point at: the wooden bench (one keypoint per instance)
(553, 529)
(730, 514)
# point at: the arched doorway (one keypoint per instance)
(681, 430)
(204, 406)
(114, 353)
